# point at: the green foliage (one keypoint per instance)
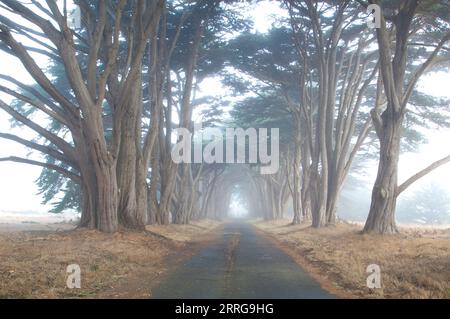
(58, 190)
(264, 111)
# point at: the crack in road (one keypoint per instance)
(239, 264)
(230, 256)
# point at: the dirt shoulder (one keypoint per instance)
(33, 262)
(414, 263)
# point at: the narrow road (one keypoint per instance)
(241, 264)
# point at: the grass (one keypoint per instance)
(121, 265)
(414, 263)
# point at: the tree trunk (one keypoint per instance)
(306, 193)
(333, 193)
(318, 200)
(106, 199)
(153, 215)
(98, 180)
(296, 196)
(381, 217)
(388, 126)
(131, 172)
(296, 180)
(99, 187)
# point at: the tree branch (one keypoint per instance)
(35, 103)
(431, 61)
(44, 99)
(76, 178)
(421, 174)
(46, 26)
(59, 142)
(41, 148)
(34, 70)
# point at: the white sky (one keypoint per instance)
(18, 191)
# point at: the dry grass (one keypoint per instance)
(414, 263)
(184, 233)
(121, 265)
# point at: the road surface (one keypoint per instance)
(240, 264)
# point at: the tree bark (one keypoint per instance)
(381, 218)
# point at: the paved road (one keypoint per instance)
(241, 264)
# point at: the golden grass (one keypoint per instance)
(184, 233)
(414, 263)
(121, 265)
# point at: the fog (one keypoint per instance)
(426, 202)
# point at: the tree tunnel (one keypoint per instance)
(241, 192)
